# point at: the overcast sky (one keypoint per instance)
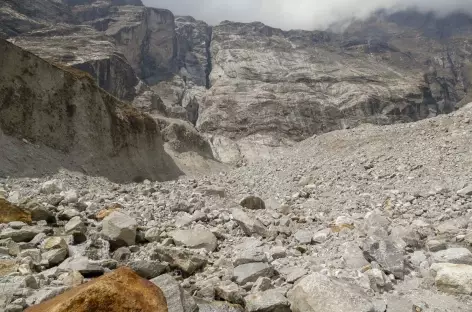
(304, 14)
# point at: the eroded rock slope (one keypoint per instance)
(64, 110)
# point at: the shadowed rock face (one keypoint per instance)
(18, 17)
(74, 123)
(88, 50)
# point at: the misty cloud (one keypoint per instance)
(304, 14)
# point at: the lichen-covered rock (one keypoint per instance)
(120, 291)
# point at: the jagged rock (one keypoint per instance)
(40, 212)
(304, 237)
(435, 245)
(83, 266)
(10, 212)
(219, 306)
(262, 284)
(177, 299)
(229, 292)
(24, 234)
(7, 266)
(267, 301)
(71, 279)
(52, 187)
(121, 290)
(453, 255)
(249, 225)
(250, 272)
(120, 229)
(249, 255)
(252, 202)
(77, 229)
(465, 191)
(321, 236)
(388, 253)
(211, 190)
(122, 254)
(184, 260)
(195, 239)
(64, 135)
(153, 235)
(55, 250)
(453, 278)
(148, 269)
(319, 293)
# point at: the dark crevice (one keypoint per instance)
(209, 66)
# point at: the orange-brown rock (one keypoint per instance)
(102, 214)
(10, 212)
(119, 291)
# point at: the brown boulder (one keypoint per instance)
(119, 291)
(10, 212)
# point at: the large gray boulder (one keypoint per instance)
(177, 299)
(453, 278)
(120, 229)
(195, 239)
(388, 253)
(319, 293)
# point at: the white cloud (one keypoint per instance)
(304, 14)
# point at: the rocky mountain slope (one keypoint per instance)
(87, 129)
(369, 219)
(251, 86)
(365, 218)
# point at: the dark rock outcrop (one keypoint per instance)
(72, 123)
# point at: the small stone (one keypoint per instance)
(70, 197)
(72, 279)
(31, 282)
(262, 284)
(229, 292)
(267, 301)
(304, 237)
(250, 272)
(51, 187)
(83, 266)
(453, 255)
(249, 255)
(122, 254)
(148, 269)
(321, 236)
(435, 245)
(278, 252)
(153, 235)
(68, 214)
(184, 260)
(466, 191)
(249, 224)
(16, 225)
(253, 203)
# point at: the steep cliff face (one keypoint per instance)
(146, 37)
(19, 17)
(88, 50)
(73, 124)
